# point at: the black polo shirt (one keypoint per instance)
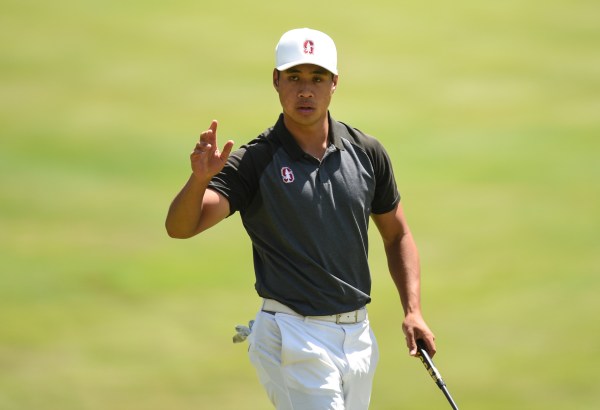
(308, 219)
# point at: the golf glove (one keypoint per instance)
(242, 332)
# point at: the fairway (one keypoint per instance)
(489, 111)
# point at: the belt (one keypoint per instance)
(273, 306)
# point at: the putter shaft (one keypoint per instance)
(433, 372)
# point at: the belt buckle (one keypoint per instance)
(338, 318)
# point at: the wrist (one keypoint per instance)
(412, 311)
(200, 180)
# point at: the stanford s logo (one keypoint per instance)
(309, 47)
(287, 176)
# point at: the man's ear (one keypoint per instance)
(276, 75)
(335, 83)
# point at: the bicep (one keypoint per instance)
(392, 225)
(215, 208)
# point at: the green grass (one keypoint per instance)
(489, 111)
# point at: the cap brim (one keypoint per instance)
(284, 67)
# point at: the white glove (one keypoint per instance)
(242, 332)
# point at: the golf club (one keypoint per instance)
(433, 372)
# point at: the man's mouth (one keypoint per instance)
(305, 108)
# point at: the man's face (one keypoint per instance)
(305, 93)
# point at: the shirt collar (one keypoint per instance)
(291, 146)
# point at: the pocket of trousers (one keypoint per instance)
(265, 339)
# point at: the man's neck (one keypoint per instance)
(312, 139)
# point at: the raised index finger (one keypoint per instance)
(209, 137)
(212, 137)
(213, 126)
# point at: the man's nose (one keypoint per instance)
(305, 90)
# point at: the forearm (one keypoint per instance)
(183, 218)
(404, 267)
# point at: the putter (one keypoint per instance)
(433, 372)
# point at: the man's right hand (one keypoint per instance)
(195, 208)
(206, 159)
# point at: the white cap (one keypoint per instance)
(306, 46)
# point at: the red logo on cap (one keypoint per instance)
(309, 47)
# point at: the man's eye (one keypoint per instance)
(318, 79)
(293, 78)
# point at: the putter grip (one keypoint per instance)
(428, 363)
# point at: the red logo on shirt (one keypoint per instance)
(309, 47)
(287, 175)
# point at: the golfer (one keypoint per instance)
(306, 190)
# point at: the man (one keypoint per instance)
(305, 190)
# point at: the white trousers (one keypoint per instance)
(307, 364)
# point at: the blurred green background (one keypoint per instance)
(490, 111)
